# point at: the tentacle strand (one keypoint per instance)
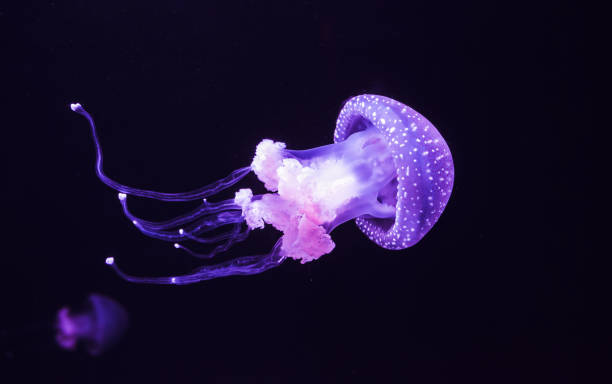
(200, 220)
(191, 225)
(196, 194)
(246, 265)
(234, 237)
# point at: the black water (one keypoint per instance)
(183, 91)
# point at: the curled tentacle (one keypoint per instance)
(196, 194)
(189, 226)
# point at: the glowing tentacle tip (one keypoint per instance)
(177, 245)
(76, 107)
(181, 231)
(110, 260)
(134, 222)
(122, 196)
(173, 280)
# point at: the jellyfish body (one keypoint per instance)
(99, 326)
(423, 163)
(389, 168)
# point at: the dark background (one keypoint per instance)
(182, 93)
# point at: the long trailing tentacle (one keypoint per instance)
(160, 230)
(189, 226)
(203, 219)
(204, 209)
(246, 265)
(233, 237)
(196, 194)
(191, 231)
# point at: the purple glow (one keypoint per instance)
(425, 170)
(389, 169)
(99, 326)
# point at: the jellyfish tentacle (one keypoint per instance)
(203, 210)
(213, 239)
(205, 224)
(208, 224)
(234, 237)
(154, 229)
(196, 194)
(161, 225)
(246, 265)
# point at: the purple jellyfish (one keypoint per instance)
(99, 326)
(389, 168)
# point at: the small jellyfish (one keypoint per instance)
(98, 326)
(389, 169)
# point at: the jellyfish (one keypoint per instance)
(98, 326)
(388, 168)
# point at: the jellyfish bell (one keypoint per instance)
(422, 161)
(99, 325)
(389, 169)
